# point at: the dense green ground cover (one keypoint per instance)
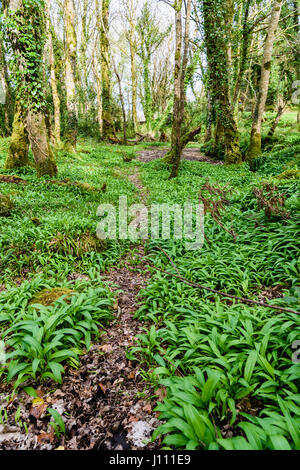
(222, 362)
(226, 366)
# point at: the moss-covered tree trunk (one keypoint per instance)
(108, 126)
(26, 26)
(18, 149)
(70, 74)
(216, 13)
(254, 149)
(130, 7)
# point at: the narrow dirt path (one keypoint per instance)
(106, 403)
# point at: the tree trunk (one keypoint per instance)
(8, 105)
(32, 112)
(131, 16)
(174, 155)
(254, 149)
(19, 143)
(122, 104)
(185, 139)
(97, 75)
(216, 36)
(70, 74)
(181, 60)
(53, 81)
(108, 127)
(246, 40)
(39, 142)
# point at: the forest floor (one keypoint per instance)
(125, 346)
(191, 154)
(106, 403)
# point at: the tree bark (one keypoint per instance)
(122, 104)
(246, 40)
(40, 145)
(181, 60)
(19, 144)
(108, 126)
(8, 105)
(70, 74)
(53, 81)
(216, 36)
(131, 18)
(30, 112)
(254, 149)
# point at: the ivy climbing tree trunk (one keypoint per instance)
(215, 15)
(25, 27)
(254, 149)
(70, 74)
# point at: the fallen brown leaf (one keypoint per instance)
(148, 408)
(106, 348)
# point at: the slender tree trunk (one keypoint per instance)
(8, 111)
(53, 81)
(95, 64)
(181, 59)
(175, 153)
(254, 148)
(246, 40)
(122, 104)
(280, 111)
(97, 75)
(70, 74)
(134, 86)
(108, 127)
(133, 48)
(148, 94)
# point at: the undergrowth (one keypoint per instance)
(226, 368)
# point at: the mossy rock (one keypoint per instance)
(6, 205)
(78, 245)
(48, 297)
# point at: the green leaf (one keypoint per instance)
(250, 364)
